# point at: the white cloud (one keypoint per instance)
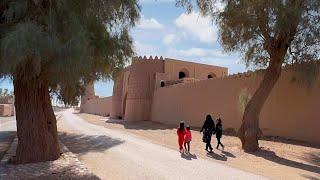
(169, 39)
(144, 49)
(197, 52)
(209, 56)
(198, 26)
(149, 24)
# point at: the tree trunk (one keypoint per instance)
(36, 122)
(249, 132)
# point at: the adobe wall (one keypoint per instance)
(291, 111)
(6, 106)
(116, 111)
(88, 95)
(98, 106)
(141, 85)
(6, 110)
(195, 70)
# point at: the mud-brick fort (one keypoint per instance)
(167, 90)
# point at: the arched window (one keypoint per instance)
(162, 84)
(211, 75)
(183, 73)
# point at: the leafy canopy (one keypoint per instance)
(257, 28)
(66, 42)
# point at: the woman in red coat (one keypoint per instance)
(181, 133)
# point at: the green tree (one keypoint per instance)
(49, 44)
(5, 92)
(269, 34)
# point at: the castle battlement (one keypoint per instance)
(144, 58)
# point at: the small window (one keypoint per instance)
(162, 84)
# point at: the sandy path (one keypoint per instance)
(285, 159)
(111, 154)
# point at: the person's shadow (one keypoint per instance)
(219, 157)
(188, 156)
(226, 153)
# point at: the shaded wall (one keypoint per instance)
(6, 110)
(116, 109)
(291, 111)
(141, 84)
(98, 106)
(88, 95)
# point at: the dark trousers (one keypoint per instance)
(219, 143)
(208, 145)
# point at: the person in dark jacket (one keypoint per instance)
(208, 129)
(219, 133)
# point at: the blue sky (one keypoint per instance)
(166, 30)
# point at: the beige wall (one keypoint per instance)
(88, 95)
(6, 110)
(117, 97)
(291, 110)
(140, 88)
(98, 106)
(195, 70)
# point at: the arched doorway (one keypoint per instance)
(183, 73)
(162, 84)
(212, 75)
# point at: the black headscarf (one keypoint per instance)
(208, 124)
(181, 126)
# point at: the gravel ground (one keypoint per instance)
(276, 159)
(66, 167)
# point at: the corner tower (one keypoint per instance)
(133, 89)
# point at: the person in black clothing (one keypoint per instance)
(208, 129)
(219, 133)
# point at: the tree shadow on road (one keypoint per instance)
(140, 125)
(82, 144)
(6, 138)
(311, 177)
(314, 158)
(271, 156)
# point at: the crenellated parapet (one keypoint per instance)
(144, 58)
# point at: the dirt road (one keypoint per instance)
(111, 154)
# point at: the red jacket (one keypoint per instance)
(181, 134)
(188, 136)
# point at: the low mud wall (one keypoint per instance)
(98, 106)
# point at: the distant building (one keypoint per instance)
(7, 106)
